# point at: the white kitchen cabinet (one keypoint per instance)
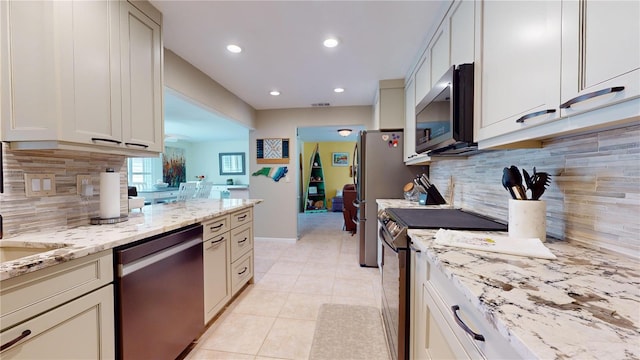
(82, 75)
(389, 105)
(461, 29)
(422, 78)
(517, 67)
(409, 119)
(70, 303)
(600, 53)
(440, 313)
(81, 329)
(241, 249)
(217, 265)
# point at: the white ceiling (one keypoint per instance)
(282, 46)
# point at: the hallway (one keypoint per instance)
(275, 317)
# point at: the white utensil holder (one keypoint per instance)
(528, 219)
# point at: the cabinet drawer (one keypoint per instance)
(241, 272)
(241, 217)
(85, 326)
(28, 295)
(241, 241)
(215, 227)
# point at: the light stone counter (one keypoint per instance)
(90, 239)
(583, 305)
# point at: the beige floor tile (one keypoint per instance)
(355, 288)
(289, 339)
(204, 354)
(364, 301)
(239, 333)
(303, 306)
(318, 285)
(316, 268)
(261, 302)
(278, 282)
(287, 267)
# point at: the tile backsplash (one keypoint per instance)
(594, 195)
(65, 209)
(593, 198)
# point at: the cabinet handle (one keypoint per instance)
(14, 341)
(588, 96)
(241, 241)
(218, 241)
(464, 326)
(413, 248)
(241, 218)
(243, 270)
(106, 140)
(215, 228)
(134, 144)
(534, 114)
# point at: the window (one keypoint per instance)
(231, 163)
(144, 172)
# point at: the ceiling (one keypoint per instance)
(282, 46)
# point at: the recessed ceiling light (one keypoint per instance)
(234, 48)
(338, 90)
(331, 42)
(275, 92)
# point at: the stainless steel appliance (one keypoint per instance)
(393, 224)
(159, 295)
(444, 117)
(381, 174)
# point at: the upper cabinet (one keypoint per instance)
(388, 111)
(549, 68)
(409, 120)
(82, 75)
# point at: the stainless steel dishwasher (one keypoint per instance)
(159, 295)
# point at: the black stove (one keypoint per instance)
(452, 219)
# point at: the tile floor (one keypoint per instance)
(275, 317)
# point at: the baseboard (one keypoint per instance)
(283, 240)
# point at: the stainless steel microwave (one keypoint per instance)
(444, 117)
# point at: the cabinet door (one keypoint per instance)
(409, 119)
(439, 50)
(461, 32)
(28, 102)
(217, 289)
(600, 50)
(423, 79)
(517, 64)
(90, 72)
(141, 48)
(81, 329)
(418, 308)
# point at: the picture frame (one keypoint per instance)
(272, 151)
(340, 159)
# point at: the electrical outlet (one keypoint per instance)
(82, 180)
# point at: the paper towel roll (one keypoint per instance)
(109, 195)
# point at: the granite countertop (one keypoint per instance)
(90, 239)
(583, 305)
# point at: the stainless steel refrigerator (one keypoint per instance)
(381, 174)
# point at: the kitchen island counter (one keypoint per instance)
(583, 305)
(90, 239)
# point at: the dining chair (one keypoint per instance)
(204, 189)
(186, 191)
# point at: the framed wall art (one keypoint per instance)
(272, 151)
(340, 159)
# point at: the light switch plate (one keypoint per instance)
(39, 184)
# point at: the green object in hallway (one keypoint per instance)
(264, 171)
(229, 181)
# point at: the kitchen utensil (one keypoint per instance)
(537, 183)
(507, 182)
(512, 181)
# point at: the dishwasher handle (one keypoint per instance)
(127, 269)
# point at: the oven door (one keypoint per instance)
(395, 288)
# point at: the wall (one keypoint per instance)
(335, 177)
(66, 208)
(184, 78)
(594, 196)
(276, 216)
(204, 156)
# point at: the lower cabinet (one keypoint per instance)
(228, 258)
(80, 329)
(62, 312)
(445, 325)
